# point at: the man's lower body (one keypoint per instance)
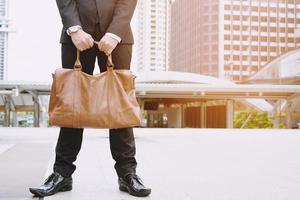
(122, 143)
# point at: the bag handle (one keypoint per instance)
(78, 65)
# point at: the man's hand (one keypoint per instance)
(107, 44)
(82, 40)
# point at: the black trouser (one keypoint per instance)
(122, 144)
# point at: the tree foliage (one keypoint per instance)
(256, 120)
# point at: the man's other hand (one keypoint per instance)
(82, 40)
(107, 44)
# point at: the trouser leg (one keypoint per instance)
(70, 139)
(122, 146)
(67, 148)
(122, 143)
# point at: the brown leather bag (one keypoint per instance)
(105, 100)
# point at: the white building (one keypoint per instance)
(150, 32)
(4, 25)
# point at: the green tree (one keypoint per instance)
(252, 119)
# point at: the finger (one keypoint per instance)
(79, 47)
(106, 52)
(109, 52)
(91, 38)
(96, 42)
(87, 42)
(106, 49)
(86, 46)
(100, 45)
(91, 41)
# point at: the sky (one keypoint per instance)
(33, 46)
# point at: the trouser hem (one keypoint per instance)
(62, 172)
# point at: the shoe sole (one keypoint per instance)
(63, 189)
(126, 189)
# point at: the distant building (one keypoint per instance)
(4, 23)
(150, 34)
(231, 38)
(194, 37)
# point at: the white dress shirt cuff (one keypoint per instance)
(114, 36)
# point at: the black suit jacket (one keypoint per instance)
(114, 16)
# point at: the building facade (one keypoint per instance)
(4, 24)
(194, 37)
(150, 34)
(231, 39)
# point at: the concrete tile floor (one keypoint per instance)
(183, 164)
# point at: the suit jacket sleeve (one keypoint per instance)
(123, 13)
(68, 12)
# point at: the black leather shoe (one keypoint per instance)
(133, 184)
(53, 184)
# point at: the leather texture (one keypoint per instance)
(105, 100)
(114, 16)
(134, 185)
(53, 184)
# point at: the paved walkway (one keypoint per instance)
(183, 164)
